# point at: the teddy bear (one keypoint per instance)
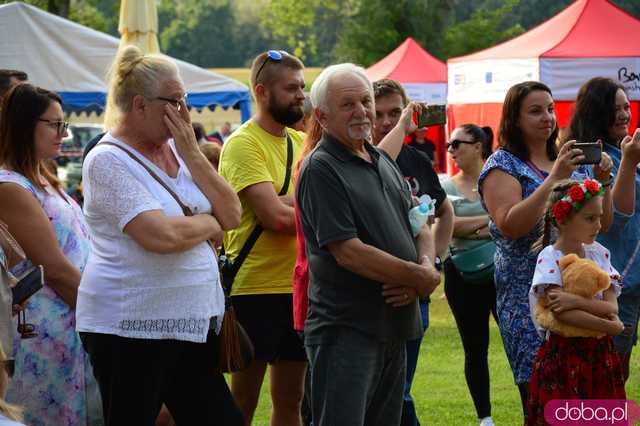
(579, 276)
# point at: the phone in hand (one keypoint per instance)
(28, 285)
(432, 115)
(592, 152)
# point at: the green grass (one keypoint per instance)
(439, 387)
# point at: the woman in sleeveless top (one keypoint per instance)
(514, 185)
(471, 302)
(53, 379)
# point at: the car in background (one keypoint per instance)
(73, 145)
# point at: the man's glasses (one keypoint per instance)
(60, 126)
(175, 102)
(274, 55)
(455, 144)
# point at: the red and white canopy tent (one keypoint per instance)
(423, 77)
(589, 38)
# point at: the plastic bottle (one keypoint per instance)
(418, 216)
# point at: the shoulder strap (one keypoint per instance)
(185, 209)
(255, 234)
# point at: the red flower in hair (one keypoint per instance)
(561, 209)
(576, 194)
(592, 186)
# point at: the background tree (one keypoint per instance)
(481, 30)
(377, 26)
(202, 33)
(308, 32)
(229, 33)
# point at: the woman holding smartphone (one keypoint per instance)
(514, 186)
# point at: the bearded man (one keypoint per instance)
(254, 160)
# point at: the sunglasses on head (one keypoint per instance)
(60, 126)
(274, 55)
(455, 144)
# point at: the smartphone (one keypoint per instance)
(432, 115)
(28, 284)
(592, 152)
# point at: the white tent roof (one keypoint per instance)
(73, 60)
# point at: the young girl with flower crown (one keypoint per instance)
(574, 367)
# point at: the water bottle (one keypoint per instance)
(418, 216)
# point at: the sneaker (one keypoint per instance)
(487, 421)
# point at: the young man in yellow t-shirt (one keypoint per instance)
(253, 161)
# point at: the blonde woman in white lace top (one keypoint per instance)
(150, 302)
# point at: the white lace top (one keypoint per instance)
(548, 273)
(126, 290)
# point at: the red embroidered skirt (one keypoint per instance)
(573, 368)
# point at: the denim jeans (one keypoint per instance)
(409, 415)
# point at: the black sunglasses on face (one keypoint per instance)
(60, 126)
(455, 144)
(274, 55)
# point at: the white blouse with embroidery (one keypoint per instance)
(548, 273)
(126, 290)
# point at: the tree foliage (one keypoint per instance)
(201, 33)
(481, 30)
(230, 33)
(377, 26)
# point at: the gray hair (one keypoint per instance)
(320, 87)
(134, 73)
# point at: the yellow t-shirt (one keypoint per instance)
(250, 156)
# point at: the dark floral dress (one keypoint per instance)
(573, 368)
(515, 265)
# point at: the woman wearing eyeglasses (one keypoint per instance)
(472, 299)
(150, 303)
(514, 184)
(53, 380)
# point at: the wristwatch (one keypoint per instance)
(438, 263)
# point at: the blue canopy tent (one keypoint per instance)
(73, 60)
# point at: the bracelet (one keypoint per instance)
(607, 183)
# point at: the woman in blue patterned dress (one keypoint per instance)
(53, 378)
(514, 186)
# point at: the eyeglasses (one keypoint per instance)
(27, 331)
(9, 366)
(60, 126)
(175, 102)
(455, 144)
(274, 55)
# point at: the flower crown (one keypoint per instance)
(574, 200)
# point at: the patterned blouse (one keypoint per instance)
(53, 378)
(515, 265)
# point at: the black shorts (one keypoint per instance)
(268, 320)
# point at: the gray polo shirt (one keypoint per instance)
(341, 196)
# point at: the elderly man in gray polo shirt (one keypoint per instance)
(366, 269)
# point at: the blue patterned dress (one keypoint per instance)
(515, 265)
(53, 378)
